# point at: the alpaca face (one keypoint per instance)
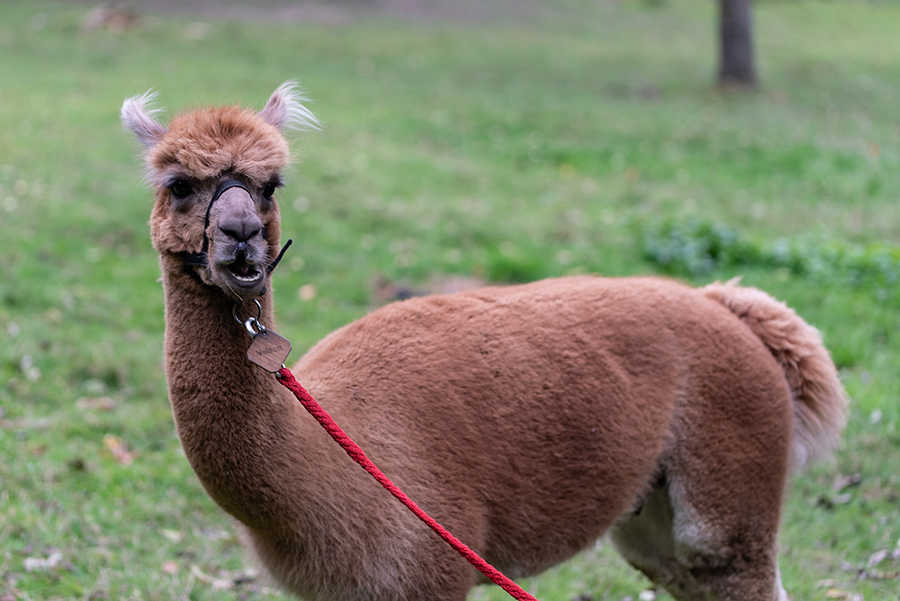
(228, 218)
(216, 171)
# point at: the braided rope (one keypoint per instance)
(286, 378)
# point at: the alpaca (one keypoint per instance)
(529, 420)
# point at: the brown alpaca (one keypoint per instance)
(528, 420)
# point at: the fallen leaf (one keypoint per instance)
(104, 403)
(842, 482)
(217, 584)
(120, 452)
(122, 17)
(246, 576)
(214, 534)
(32, 564)
(876, 558)
(169, 567)
(37, 451)
(174, 536)
(834, 593)
(879, 575)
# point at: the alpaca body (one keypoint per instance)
(536, 417)
(528, 420)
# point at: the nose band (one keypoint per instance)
(228, 184)
(200, 258)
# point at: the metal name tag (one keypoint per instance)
(269, 350)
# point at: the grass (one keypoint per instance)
(579, 139)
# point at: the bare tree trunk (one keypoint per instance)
(736, 66)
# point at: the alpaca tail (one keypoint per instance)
(820, 404)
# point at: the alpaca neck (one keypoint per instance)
(202, 335)
(237, 425)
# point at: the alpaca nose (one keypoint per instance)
(238, 220)
(241, 229)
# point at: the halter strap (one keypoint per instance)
(201, 258)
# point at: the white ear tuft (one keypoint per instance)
(138, 118)
(285, 111)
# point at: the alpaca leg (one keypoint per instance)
(729, 543)
(699, 558)
(647, 542)
(717, 516)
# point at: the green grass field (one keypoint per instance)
(585, 137)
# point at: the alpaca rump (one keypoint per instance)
(528, 420)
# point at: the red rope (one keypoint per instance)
(309, 403)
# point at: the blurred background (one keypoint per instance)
(463, 143)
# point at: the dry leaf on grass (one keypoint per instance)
(104, 403)
(876, 558)
(842, 482)
(217, 584)
(173, 536)
(169, 567)
(33, 564)
(119, 450)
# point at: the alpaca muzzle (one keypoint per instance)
(201, 259)
(238, 226)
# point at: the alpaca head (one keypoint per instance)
(216, 171)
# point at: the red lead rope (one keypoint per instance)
(309, 403)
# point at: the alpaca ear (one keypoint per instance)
(285, 110)
(138, 118)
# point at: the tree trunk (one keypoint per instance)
(736, 66)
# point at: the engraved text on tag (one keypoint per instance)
(269, 350)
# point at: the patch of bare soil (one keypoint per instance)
(336, 12)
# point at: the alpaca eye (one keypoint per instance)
(181, 189)
(273, 184)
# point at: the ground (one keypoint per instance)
(345, 11)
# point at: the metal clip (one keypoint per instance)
(268, 350)
(251, 322)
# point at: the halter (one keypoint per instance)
(193, 259)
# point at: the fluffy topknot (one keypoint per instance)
(207, 142)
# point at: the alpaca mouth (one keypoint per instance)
(243, 272)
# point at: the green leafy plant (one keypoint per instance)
(697, 247)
